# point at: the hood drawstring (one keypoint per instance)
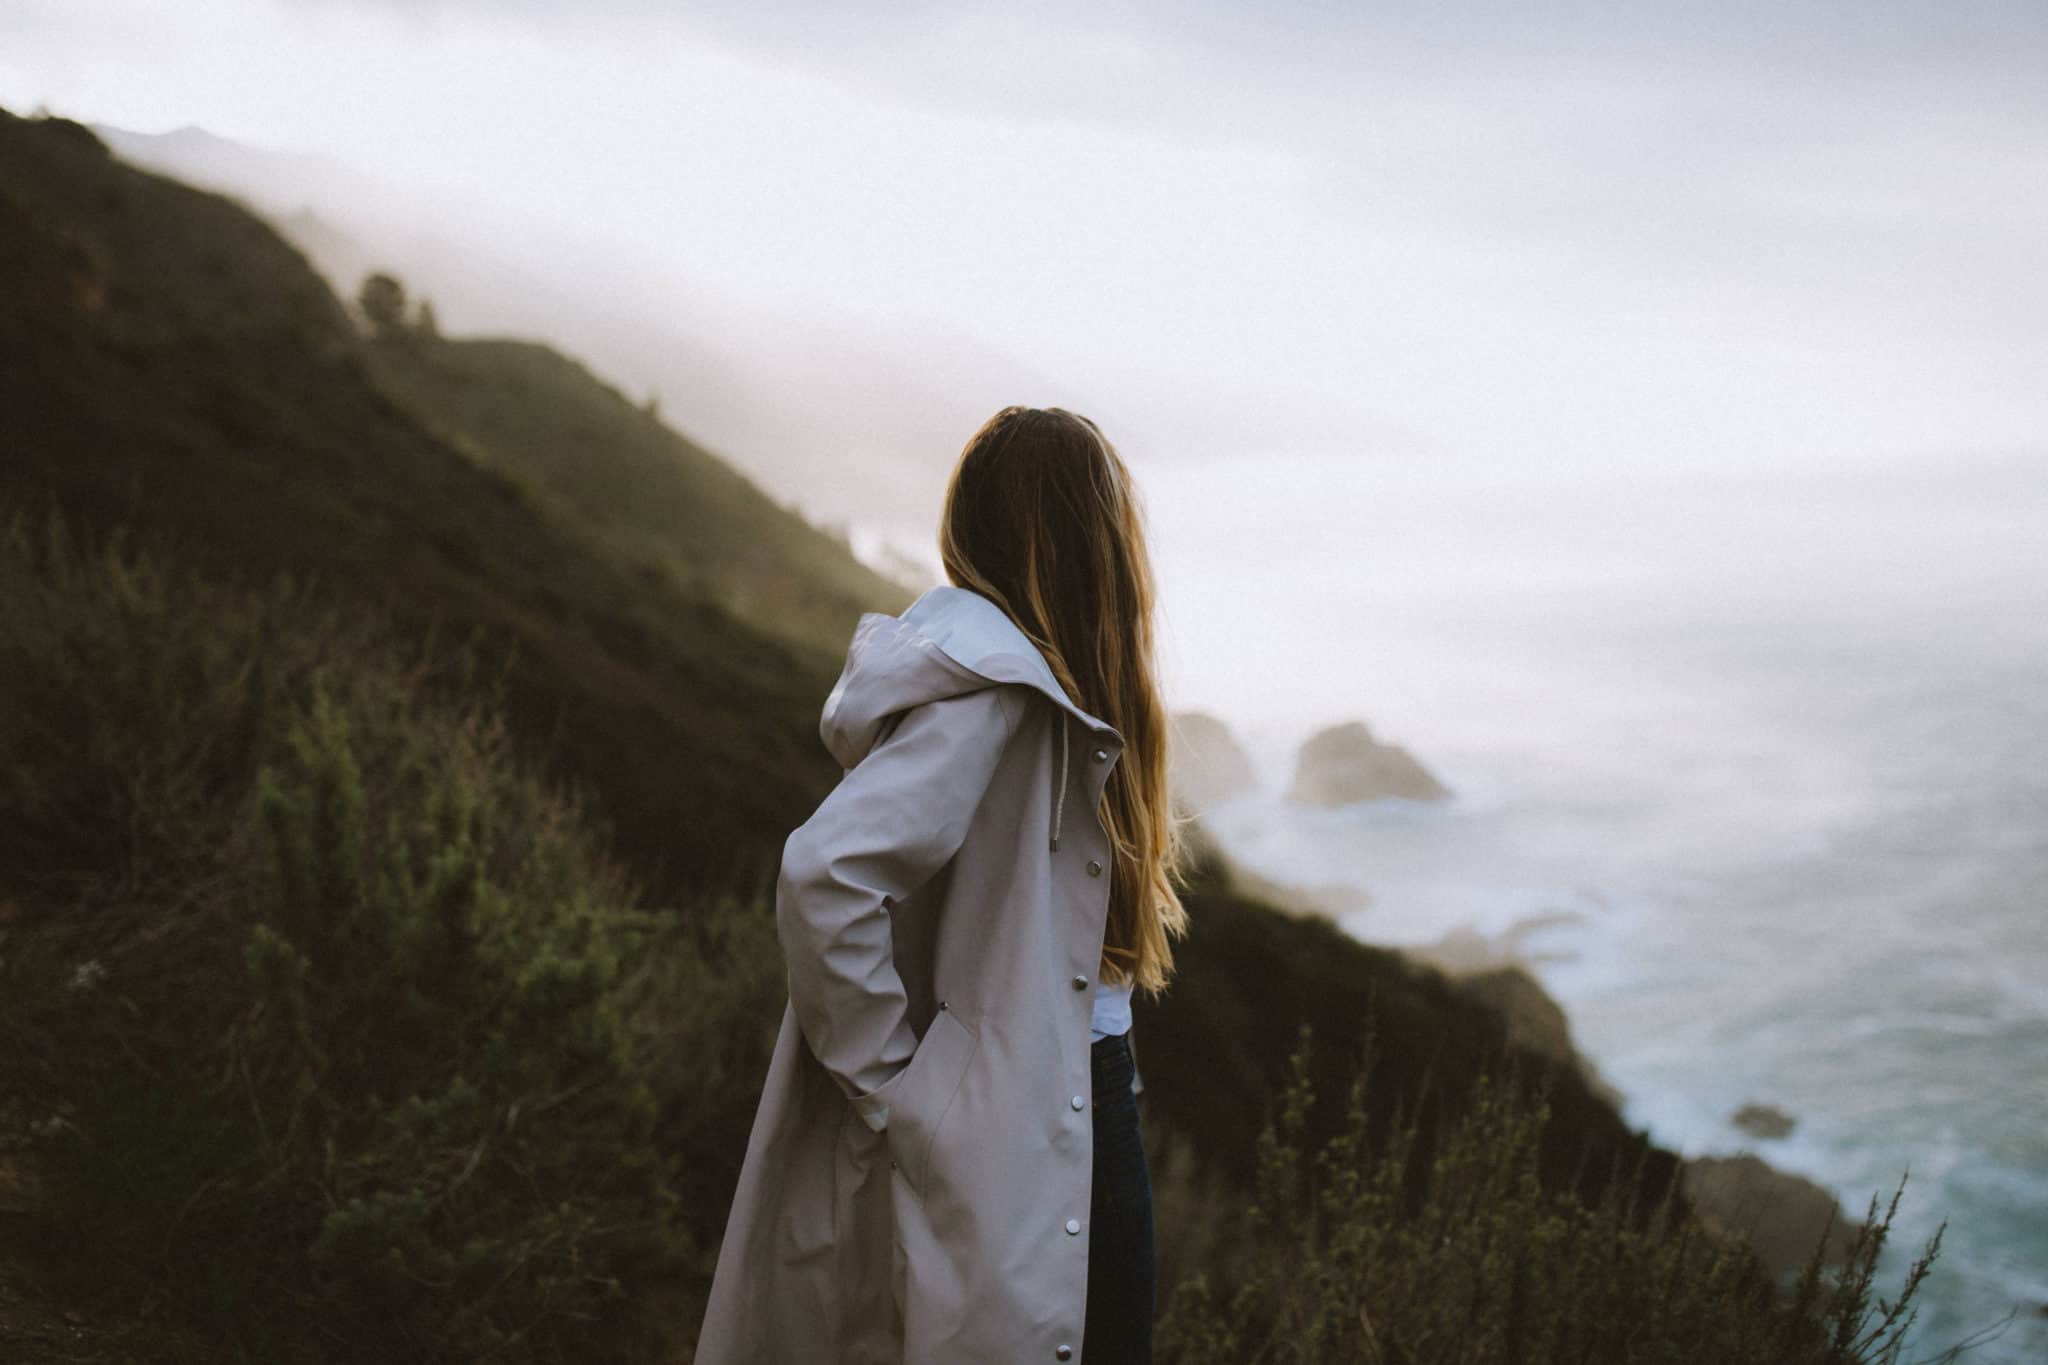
(1061, 802)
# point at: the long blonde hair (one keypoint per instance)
(1042, 518)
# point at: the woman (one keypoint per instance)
(945, 1164)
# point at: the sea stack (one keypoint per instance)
(1206, 765)
(1763, 1121)
(1344, 763)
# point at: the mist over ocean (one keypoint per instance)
(1774, 817)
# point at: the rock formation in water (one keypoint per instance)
(1344, 763)
(1206, 764)
(1763, 1121)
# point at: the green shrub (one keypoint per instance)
(340, 1034)
(1351, 1254)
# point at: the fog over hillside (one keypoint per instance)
(1431, 251)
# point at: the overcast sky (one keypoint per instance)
(1364, 257)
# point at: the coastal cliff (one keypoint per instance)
(1739, 1194)
(388, 846)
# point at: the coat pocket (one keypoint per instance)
(919, 1095)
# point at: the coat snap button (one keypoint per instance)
(1079, 1103)
(1080, 983)
(1073, 1226)
(1094, 868)
(1102, 755)
(1063, 1352)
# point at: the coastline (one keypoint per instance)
(1736, 1193)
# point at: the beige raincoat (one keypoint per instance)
(916, 1186)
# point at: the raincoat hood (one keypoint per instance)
(950, 640)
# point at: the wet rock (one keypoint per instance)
(1763, 1121)
(1206, 765)
(1344, 763)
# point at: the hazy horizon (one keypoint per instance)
(1392, 278)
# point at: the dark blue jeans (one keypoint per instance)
(1121, 1266)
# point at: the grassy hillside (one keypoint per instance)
(348, 1038)
(336, 1029)
(656, 497)
(352, 1040)
(166, 356)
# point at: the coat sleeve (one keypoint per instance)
(895, 819)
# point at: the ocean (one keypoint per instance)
(1771, 824)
